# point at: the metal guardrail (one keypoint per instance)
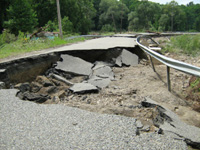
(169, 62)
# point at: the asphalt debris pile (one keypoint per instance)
(169, 123)
(73, 75)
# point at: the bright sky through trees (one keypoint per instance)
(184, 2)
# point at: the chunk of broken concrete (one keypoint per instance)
(83, 88)
(23, 87)
(139, 124)
(59, 78)
(170, 122)
(74, 65)
(40, 98)
(127, 58)
(35, 87)
(44, 81)
(99, 82)
(118, 61)
(99, 64)
(102, 71)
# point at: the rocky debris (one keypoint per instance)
(39, 98)
(118, 61)
(23, 87)
(35, 87)
(102, 71)
(74, 65)
(44, 81)
(168, 121)
(145, 128)
(2, 85)
(139, 124)
(127, 58)
(39, 89)
(82, 76)
(99, 82)
(101, 75)
(82, 88)
(103, 63)
(59, 78)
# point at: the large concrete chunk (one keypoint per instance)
(127, 58)
(99, 82)
(74, 65)
(103, 71)
(168, 121)
(102, 75)
(83, 88)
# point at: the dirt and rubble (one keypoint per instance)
(122, 92)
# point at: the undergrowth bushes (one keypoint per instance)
(187, 44)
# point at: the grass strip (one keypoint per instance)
(24, 45)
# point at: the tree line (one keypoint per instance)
(83, 16)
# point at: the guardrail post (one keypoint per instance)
(168, 79)
(152, 64)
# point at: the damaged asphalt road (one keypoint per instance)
(26, 125)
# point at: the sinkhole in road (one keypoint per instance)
(113, 81)
(79, 79)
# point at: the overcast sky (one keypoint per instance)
(184, 2)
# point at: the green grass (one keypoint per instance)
(24, 45)
(187, 44)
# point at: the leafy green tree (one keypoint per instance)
(145, 16)
(80, 13)
(4, 5)
(133, 21)
(114, 13)
(51, 26)
(21, 17)
(67, 25)
(177, 16)
(45, 10)
(164, 22)
(193, 16)
(131, 4)
(96, 18)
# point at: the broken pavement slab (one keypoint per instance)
(82, 88)
(99, 82)
(102, 71)
(102, 74)
(74, 65)
(168, 121)
(62, 79)
(127, 58)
